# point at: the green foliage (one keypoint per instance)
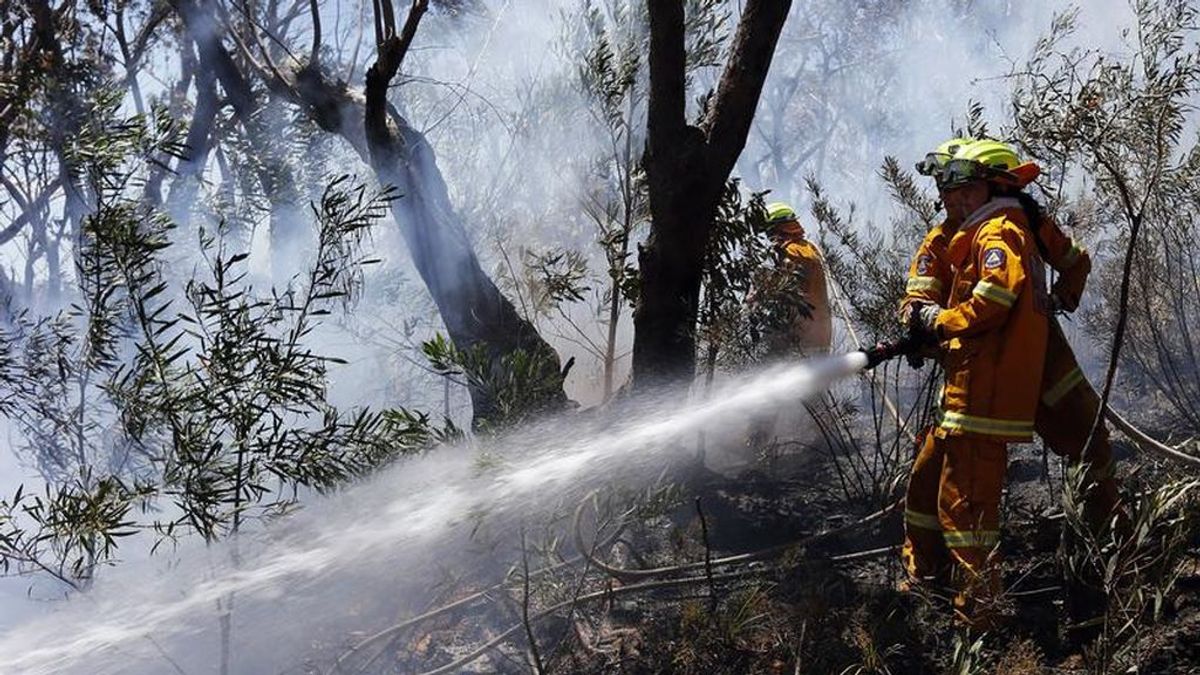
(742, 627)
(967, 656)
(975, 125)
(746, 292)
(609, 59)
(1131, 562)
(518, 385)
(706, 27)
(558, 276)
(66, 530)
(201, 392)
(1122, 122)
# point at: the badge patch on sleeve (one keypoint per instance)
(924, 262)
(994, 258)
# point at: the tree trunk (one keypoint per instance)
(190, 169)
(682, 206)
(474, 311)
(278, 183)
(686, 170)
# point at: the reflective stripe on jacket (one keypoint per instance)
(928, 273)
(994, 327)
(929, 279)
(1067, 258)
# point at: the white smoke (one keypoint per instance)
(478, 91)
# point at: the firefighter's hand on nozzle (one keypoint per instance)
(922, 319)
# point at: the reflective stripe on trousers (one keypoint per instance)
(956, 421)
(1061, 388)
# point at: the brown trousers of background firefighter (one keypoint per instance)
(952, 512)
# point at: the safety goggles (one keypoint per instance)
(958, 172)
(932, 164)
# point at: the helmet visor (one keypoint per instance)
(959, 172)
(932, 164)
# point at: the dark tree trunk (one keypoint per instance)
(66, 112)
(475, 312)
(686, 168)
(199, 141)
(176, 104)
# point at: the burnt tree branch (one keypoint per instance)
(275, 176)
(314, 54)
(391, 54)
(476, 314)
(728, 124)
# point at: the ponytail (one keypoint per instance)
(1033, 215)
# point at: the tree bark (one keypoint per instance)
(65, 112)
(472, 307)
(190, 169)
(686, 170)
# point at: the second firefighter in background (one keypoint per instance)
(807, 329)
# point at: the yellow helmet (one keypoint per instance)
(780, 212)
(990, 153)
(990, 160)
(934, 161)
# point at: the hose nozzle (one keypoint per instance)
(886, 351)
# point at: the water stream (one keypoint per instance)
(304, 584)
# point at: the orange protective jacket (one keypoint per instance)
(929, 277)
(816, 332)
(929, 274)
(811, 334)
(990, 278)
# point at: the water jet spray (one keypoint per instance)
(306, 581)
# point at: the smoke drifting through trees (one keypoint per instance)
(157, 158)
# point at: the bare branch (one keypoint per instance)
(390, 55)
(736, 100)
(28, 207)
(316, 37)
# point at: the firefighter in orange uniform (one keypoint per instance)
(993, 332)
(810, 334)
(1068, 403)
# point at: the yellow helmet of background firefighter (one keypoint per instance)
(780, 212)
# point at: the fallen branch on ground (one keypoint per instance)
(392, 631)
(598, 595)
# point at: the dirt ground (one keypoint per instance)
(834, 605)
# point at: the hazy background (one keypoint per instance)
(494, 92)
